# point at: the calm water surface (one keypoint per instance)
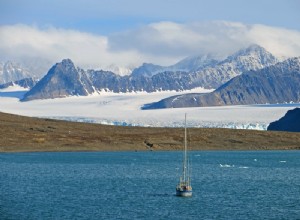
(141, 185)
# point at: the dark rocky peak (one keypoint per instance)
(66, 65)
(62, 80)
(289, 122)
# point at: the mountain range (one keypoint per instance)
(274, 84)
(249, 76)
(64, 79)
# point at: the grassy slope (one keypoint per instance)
(19, 134)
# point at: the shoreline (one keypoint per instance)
(28, 134)
(146, 151)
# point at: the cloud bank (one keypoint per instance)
(219, 37)
(22, 42)
(161, 43)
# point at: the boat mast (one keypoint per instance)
(185, 151)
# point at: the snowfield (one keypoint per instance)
(124, 109)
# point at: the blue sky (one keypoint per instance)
(97, 33)
(107, 16)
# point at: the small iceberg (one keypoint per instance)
(244, 167)
(282, 161)
(226, 165)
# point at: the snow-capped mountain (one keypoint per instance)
(62, 80)
(188, 64)
(10, 72)
(273, 84)
(251, 58)
(209, 72)
(154, 78)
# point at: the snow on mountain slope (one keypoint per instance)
(253, 57)
(195, 63)
(122, 71)
(10, 71)
(62, 80)
(273, 84)
(189, 64)
(124, 109)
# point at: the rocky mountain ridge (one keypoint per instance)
(64, 79)
(251, 58)
(26, 83)
(274, 84)
(189, 64)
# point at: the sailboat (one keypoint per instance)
(184, 187)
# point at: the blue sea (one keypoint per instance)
(141, 185)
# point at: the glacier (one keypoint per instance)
(124, 109)
(171, 124)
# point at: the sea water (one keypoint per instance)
(141, 185)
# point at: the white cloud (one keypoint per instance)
(22, 42)
(161, 43)
(172, 39)
(219, 37)
(279, 41)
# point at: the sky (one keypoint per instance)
(127, 33)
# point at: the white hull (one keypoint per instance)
(184, 194)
